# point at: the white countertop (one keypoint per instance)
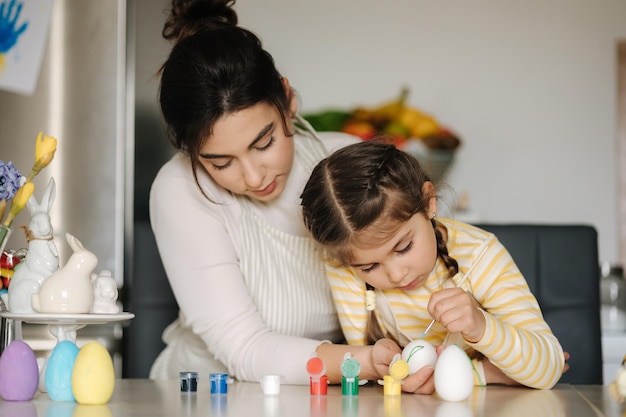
(142, 397)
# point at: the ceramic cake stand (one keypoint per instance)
(64, 326)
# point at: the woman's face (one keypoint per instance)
(403, 262)
(249, 153)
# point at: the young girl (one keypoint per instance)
(396, 267)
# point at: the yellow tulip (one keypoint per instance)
(19, 201)
(45, 147)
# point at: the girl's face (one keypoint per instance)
(249, 153)
(404, 262)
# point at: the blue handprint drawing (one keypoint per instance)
(9, 31)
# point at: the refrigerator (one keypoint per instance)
(84, 97)
(97, 94)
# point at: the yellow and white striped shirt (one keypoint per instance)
(517, 339)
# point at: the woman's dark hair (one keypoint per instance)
(215, 68)
(360, 195)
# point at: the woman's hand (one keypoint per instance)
(458, 311)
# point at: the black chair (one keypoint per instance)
(560, 263)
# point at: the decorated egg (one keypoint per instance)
(19, 374)
(454, 377)
(93, 376)
(419, 353)
(58, 374)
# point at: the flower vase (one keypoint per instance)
(5, 235)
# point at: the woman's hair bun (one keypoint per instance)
(188, 17)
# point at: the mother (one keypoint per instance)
(225, 210)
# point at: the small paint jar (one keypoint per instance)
(391, 386)
(318, 381)
(318, 385)
(219, 383)
(188, 382)
(270, 384)
(349, 386)
(350, 369)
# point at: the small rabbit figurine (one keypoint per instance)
(68, 290)
(104, 293)
(42, 258)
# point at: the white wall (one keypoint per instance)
(530, 86)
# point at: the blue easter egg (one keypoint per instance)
(19, 374)
(59, 369)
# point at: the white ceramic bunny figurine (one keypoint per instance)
(104, 293)
(42, 258)
(68, 290)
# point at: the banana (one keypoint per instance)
(418, 124)
(390, 111)
(385, 113)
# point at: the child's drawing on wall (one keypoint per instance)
(23, 34)
(10, 30)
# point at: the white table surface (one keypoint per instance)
(142, 397)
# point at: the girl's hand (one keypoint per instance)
(421, 382)
(382, 354)
(493, 375)
(458, 311)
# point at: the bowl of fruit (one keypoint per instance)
(409, 128)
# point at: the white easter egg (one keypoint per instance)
(419, 353)
(454, 377)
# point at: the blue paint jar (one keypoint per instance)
(219, 383)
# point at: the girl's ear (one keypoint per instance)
(293, 103)
(428, 190)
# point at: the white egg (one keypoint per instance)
(454, 377)
(419, 353)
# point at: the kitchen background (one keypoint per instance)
(529, 86)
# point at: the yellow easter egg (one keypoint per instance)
(93, 376)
